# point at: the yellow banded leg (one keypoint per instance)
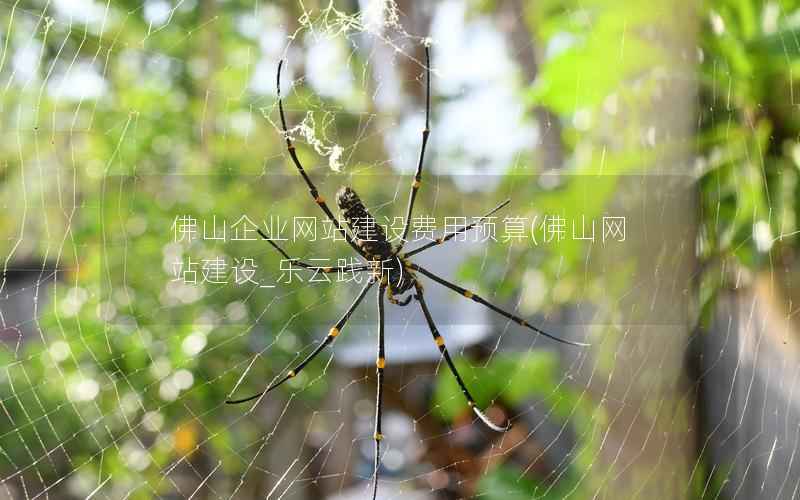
(513, 317)
(328, 339)
(380, 364)
(439, 340)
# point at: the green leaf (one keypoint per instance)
(507, 482)
(597, 65)
(514, 378)
(783, 43)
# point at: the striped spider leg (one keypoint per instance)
(329, 338)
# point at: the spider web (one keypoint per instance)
(118, 120)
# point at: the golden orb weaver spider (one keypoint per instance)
(391, 268)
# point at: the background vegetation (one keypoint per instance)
(121, 373)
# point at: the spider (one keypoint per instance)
(391, 268)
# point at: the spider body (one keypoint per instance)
(370, 237)
(389, 267)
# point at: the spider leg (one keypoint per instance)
(466, 293)
(306, 265)
(380, 364)
(449, 236)
(443, 349)
(334, 332)
(417, 182)
(311, 187)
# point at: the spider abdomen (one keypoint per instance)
(368, 234)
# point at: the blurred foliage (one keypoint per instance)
(515, 379)
(93, 186)
(507, 482)
(602, 65)
(518, 381)
(748, 149)
(605, 67)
